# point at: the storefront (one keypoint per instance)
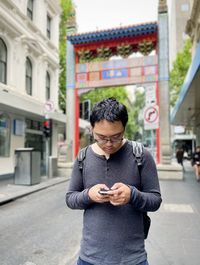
(20, 131)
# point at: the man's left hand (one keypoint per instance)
(121, 194)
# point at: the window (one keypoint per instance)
(33, 125)
(28, 76)
(48, 26)
(30, 9)
(48, 85)
(3, 62)
(4, 135)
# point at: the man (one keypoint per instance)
(108, 190)
(196, 162)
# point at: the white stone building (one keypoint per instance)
(29, 74)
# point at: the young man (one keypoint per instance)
(112, 192)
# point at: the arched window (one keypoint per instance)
(28, 76)
(30, 9)
(3, 62)
(4, 135)
(48, 86)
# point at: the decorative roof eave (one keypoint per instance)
(114, 35)
(114, 43)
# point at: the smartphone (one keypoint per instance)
(103, 191)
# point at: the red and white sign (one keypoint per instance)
(151, 117)
(48, 106)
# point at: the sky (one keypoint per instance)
(92, 15)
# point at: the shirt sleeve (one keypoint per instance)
(148, 196)
(76, 196)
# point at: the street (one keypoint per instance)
(39, 229)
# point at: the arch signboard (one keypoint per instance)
(84, 72)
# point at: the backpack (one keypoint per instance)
(138, 150)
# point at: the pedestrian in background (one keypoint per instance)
(112, 192)
(196, 162)
(179, 156)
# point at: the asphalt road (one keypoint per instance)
(39, 229)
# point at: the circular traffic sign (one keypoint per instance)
(151, 114)
(48, 106)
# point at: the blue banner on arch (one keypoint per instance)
(116, 73)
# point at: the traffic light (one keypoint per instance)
(47, 128)
(85, 110)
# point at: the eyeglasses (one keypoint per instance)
(113, 140)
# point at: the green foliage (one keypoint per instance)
(67, 8)
(133, 125)
(179, 71)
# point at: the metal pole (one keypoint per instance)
(47, 149)
(47, 157)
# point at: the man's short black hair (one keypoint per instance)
(109, 109)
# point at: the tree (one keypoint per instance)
(67, 10)
(133, 126)
(179, 71)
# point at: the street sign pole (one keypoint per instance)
(48, 107)
(47, 150)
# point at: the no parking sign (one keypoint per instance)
(151, 117)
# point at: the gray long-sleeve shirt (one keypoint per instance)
(113, 235)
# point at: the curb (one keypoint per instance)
(13, 192)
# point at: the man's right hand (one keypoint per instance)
(95, 196)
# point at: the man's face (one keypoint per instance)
(108, 135)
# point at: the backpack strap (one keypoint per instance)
(81, 156)
(138, 150)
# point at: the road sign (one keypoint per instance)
(151, 117)
(150, 94)
(48, 106)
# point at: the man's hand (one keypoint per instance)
(95, 196)
(120, 194)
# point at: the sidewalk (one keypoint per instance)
(9, 191)
(174, 237)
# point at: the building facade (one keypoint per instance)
(186, 111)
(29, 74)
(180, 10)
(179, 13)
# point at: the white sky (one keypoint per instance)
(92, 15)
